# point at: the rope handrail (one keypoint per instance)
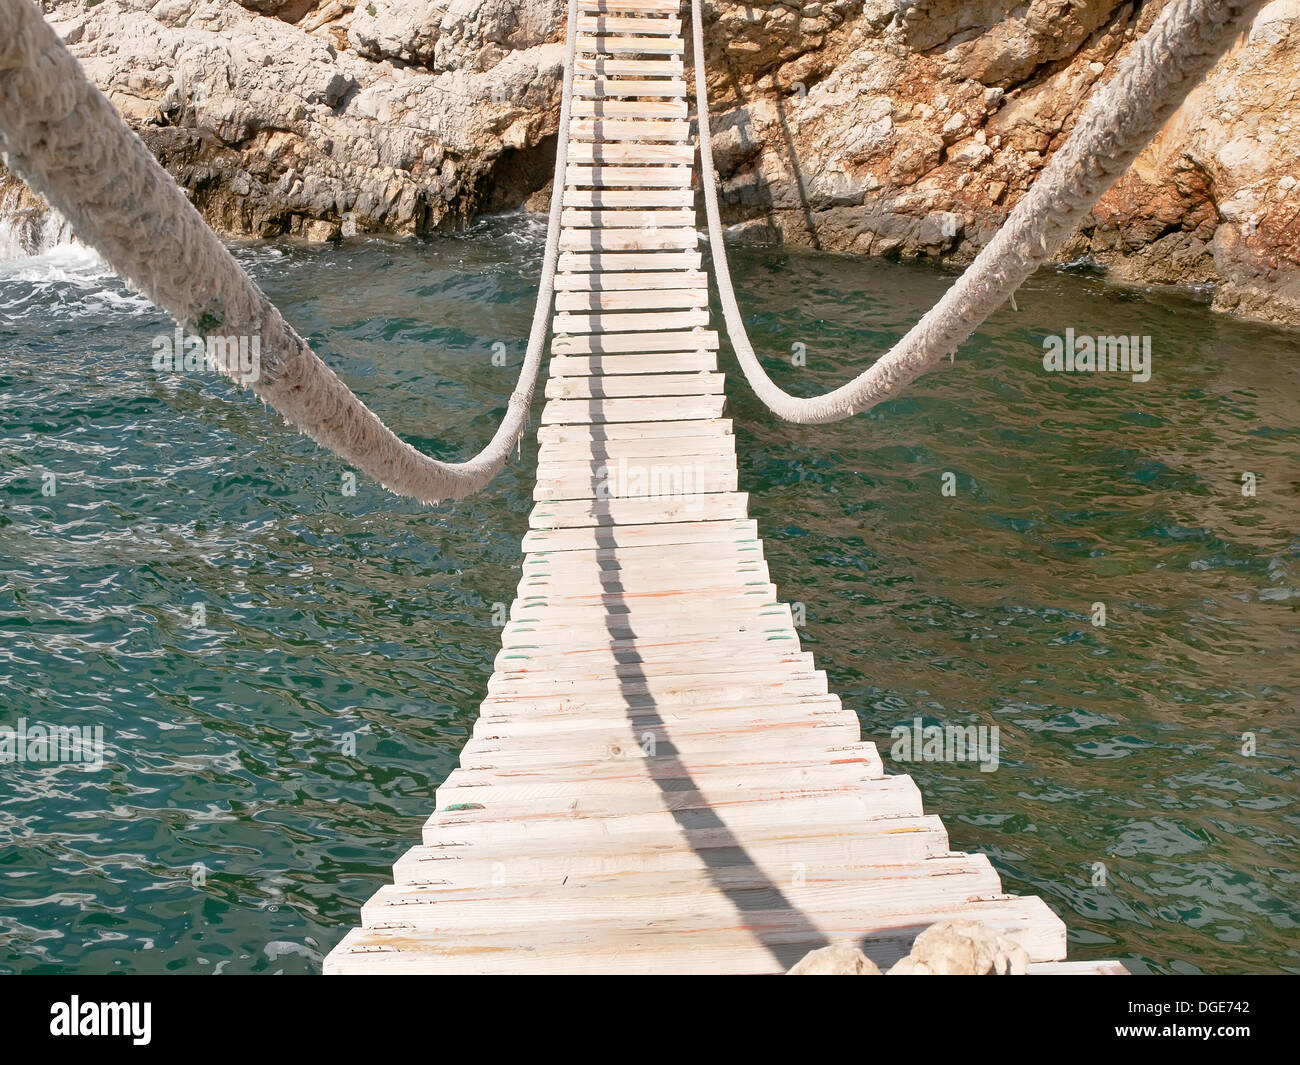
(61, 135)
(1170, 59)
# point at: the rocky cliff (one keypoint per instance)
(870, 126)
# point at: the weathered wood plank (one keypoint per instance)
(634, 322)
(629, 154)
(648, 534)
(739, 552)
(629, 177)
(614, 439)
(661, 693)
(611, 280)
(623, 477)
(613, 386)
(634, 343)
(905, 840)
(655, 299)
(532, 633)
(602, 87)
(629, 219)
(488, 785)
(606, 24)
(633, 409)
(721, 506)
(604, 68)
(554, 643)
(657, 7)
(579, 240)
(595, 107)
(619, 364)
(607, 45)
(636, 198)
(609, 129)
(665, 947)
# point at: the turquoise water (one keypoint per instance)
(265, 766)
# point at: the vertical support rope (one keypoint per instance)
(1182, 45)
(61, 135)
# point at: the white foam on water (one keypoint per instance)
(71, 262)
(46, 271)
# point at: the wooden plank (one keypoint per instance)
(554, 649)
(587, 818)
(523, 731)
(640, 432)
(883, 888)
(909, 903)
(618, 262)
(632, 299)
(529, 628)
(648, 535)
(599, 749)
(607, 69)
(704, 473)
(663, 107)
(738, 552)
(656, 7)
(634, 322)
(638, 562)
(604, 129)
(1076, 968)
(602, 87)
(665, 772)
(629, 177)
(487, 785)
(629, 615)
(660, 618)
(635, 679)
(676, 720)
(628, 153)
(639, 198)
(606, 24)
(660, 579)
(630, 219)
(619, 385)
(658, 45)
(759, 945)
(636, 343)
(598, 240)
(905, 840)
(608, 281)
(635, 409)
(594, 454)
(562, 366)
(560, 643)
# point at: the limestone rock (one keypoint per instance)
(962, 948)
(872, 126)
(842, 958)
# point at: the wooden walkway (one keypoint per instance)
(659, 781)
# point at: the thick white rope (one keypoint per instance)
(1181, 46)
(60, 135)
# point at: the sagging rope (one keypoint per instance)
(60, 135)
(1183, 43)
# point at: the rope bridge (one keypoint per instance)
(659, 780)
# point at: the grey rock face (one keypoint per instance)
(904, 128)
